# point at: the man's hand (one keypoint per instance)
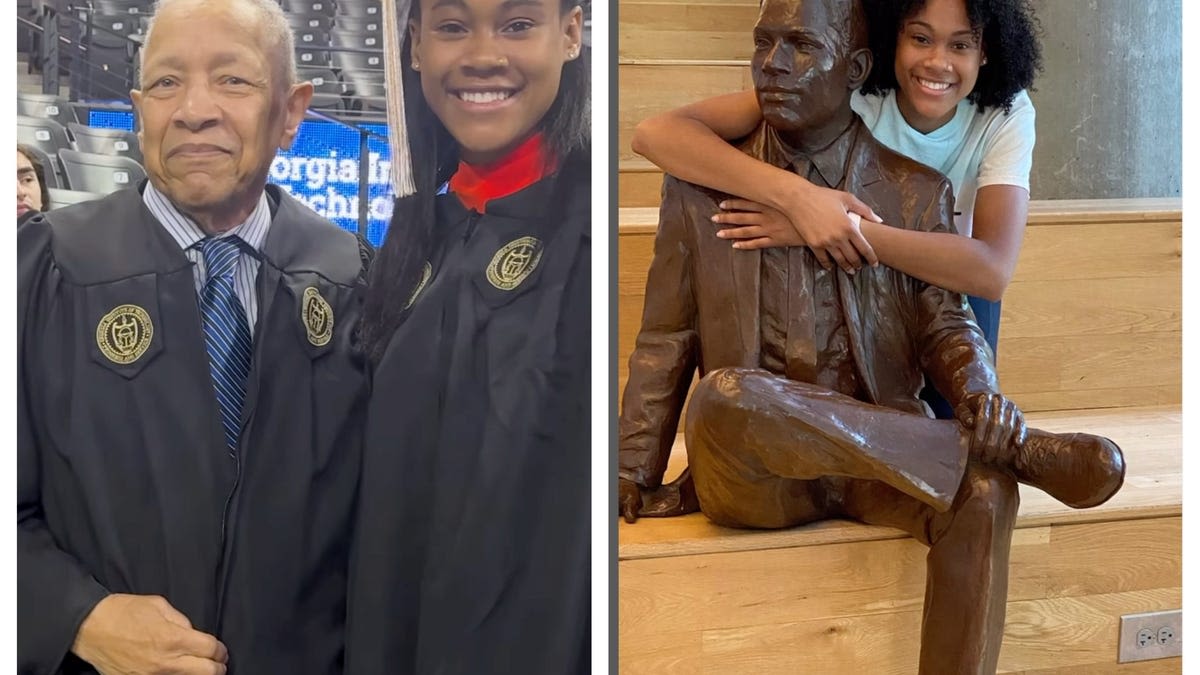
(997, 426)
(676, 498)
(145, 634)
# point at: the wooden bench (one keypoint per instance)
(1090, 341)
(840, 597)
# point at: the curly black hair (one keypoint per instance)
(1010, 35)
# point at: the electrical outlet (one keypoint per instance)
(1146, 637)
(1152, 635)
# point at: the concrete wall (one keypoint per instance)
(1109, 111)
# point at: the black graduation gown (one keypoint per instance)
(125, 482)
(471, 552)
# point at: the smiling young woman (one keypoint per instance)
(472, 550)
(938, 57)
(492, 95)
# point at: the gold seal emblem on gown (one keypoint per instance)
(124, 334)
(317, 316)
(514, 262)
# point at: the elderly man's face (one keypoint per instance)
(213, 108)
(799, 66)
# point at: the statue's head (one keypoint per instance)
(809, 56)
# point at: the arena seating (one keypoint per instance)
(50, 107)
(325, 7)
(99, 173)
(115, 142)
(302, 20)
(368, 24)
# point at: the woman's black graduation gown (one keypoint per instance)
(471, 553)
(125, 483)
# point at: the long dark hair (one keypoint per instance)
(399, 263)
(1010, 33)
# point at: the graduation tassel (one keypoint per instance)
(395, 27)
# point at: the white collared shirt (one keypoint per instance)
(187, 234)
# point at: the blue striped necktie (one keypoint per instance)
(226, 333)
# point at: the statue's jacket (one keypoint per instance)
(703, 296)
(125, 481)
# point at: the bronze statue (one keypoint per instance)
(808, 408)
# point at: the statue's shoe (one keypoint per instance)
(1079, 470)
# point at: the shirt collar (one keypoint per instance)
(185, 231)
(830, 161)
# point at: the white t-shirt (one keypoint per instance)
(972, 149)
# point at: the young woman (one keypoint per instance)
(33, 195)
(947, 88)
(471, 553)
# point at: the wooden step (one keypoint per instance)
(650, 88)
(639, 183)
(842, 597)
(676, 30)
(1092, 318)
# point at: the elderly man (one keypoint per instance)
(809, 407)
(189, 402)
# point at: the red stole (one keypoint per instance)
(475, 185)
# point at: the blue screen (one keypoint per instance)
(110, 119)
(321, 170)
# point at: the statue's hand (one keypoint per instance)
(997, 427)
(629, 500)
(676, 498)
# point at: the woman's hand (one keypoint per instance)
(752, 225)
(825, 220)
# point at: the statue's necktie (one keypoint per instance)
(226, 333)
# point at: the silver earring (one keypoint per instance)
(416, 66)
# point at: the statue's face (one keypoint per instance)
(800, 63)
